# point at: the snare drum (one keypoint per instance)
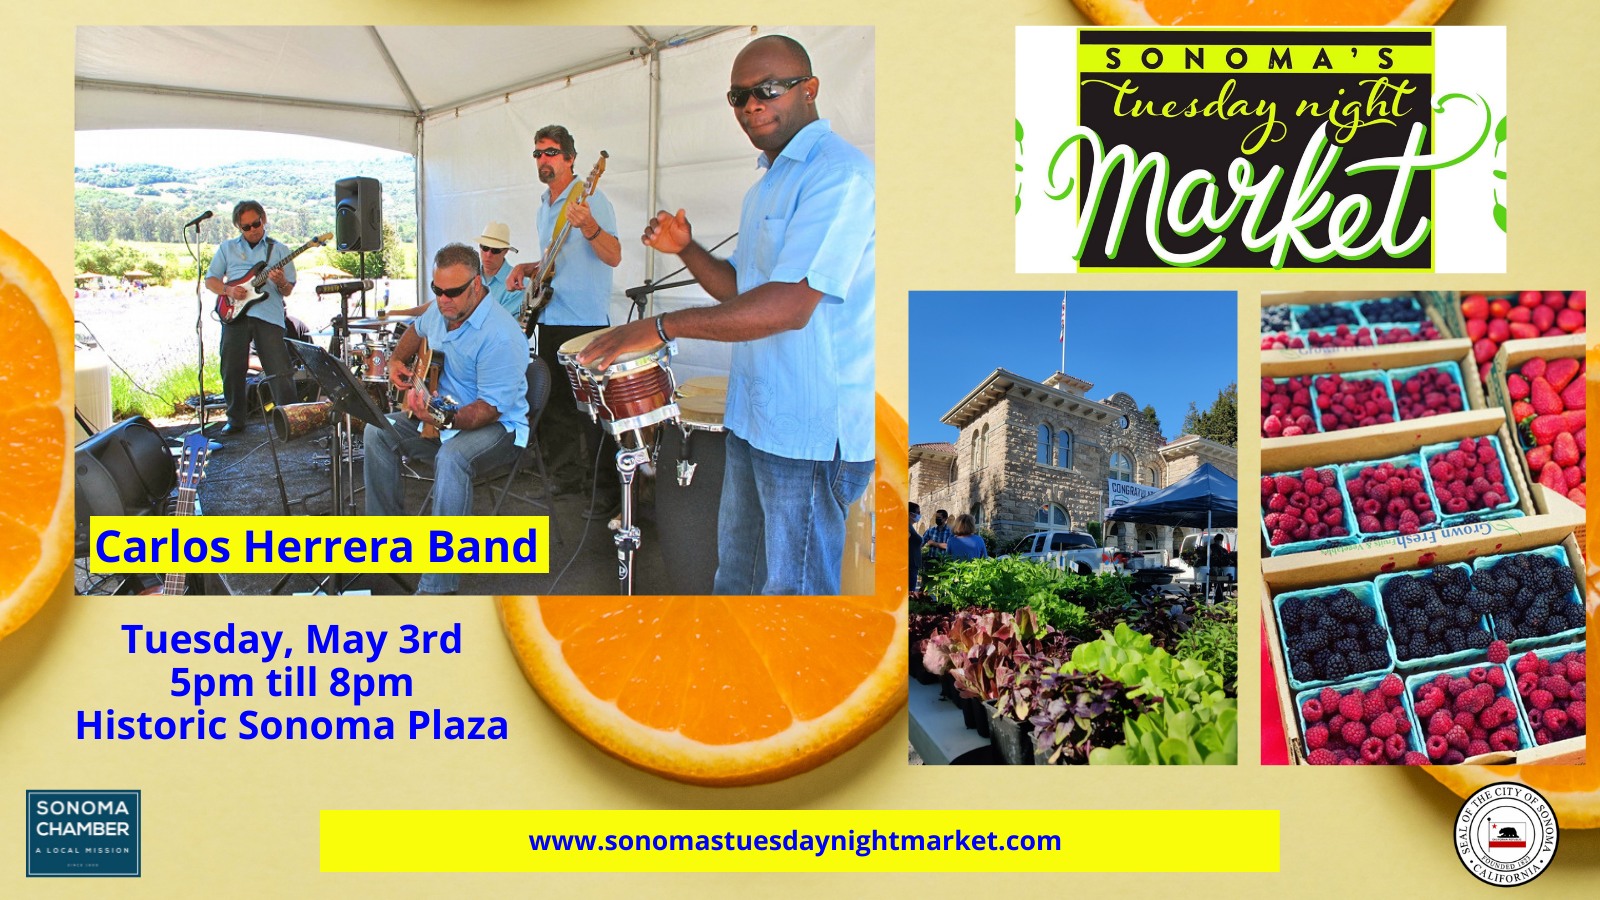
(634, 392)
(371, 358)
(689, 491)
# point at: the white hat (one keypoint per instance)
(497, 235)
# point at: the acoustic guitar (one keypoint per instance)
(425, 373)
(191, 471)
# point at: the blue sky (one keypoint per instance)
(1166, 348)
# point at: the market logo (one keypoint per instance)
(1260, 149)
(83, 834)
(1506, 834)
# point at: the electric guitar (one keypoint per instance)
(191, 471)
(229, 309)
(537, 293)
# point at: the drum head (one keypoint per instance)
(705, 386)
(572, 348)
(703, 411)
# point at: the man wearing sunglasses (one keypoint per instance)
(796, 299)
(493, 245)
(262, 323)
(580, 304)
(481, 407)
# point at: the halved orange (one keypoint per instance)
(35, 434)
(1257, 12)
(725, 690)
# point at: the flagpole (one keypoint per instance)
(1063, 368)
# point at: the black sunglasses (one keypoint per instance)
(452, 293)
(495, 250)
(548, 151)
(251, 226)
(766, 90)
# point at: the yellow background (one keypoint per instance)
(241, 820)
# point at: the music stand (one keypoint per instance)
(350, 398)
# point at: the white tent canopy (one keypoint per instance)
(465, 101)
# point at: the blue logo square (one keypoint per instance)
(83, 834)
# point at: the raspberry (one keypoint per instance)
(1391, 685)
(1478, 675)
(1427, 706)
(1504, 739)
(1458, 738)
(1557, 686)
(1317, 737)
(1311, 710)
(1394, 747)
(1413, 758)
(1497, 678)
(1322, 758)
(1402, 722)
(1475, 700)
(1577, 714)
(1555, 720)
(1498, 652)
(1541, 699)
(1329, 698)
(1383, 725)
(1373, 705)
(1478, 748)
(1437, 746)
(1372, 750)
(1465, 720)
(1352, 706)
(1453, 757)
(1440, 723)
(1354, 733)
(1528, 662)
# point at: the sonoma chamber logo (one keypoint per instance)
(1261, 149)
(83, 834)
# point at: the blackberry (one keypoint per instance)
(1417, 619)
(1393, 309)
(1506, 631)
(1315, 639)
(1561, 581)
(1461, 616)
(1478, 639)
(1478, 602)
(1326, 315)
(1275, 319)
(1338, 669)
(1345, 605)
(1346, 645)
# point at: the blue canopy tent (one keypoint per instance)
(1204, 498)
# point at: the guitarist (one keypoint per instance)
(480, 408)
(582, 286)
(262, 323)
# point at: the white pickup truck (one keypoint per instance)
(1230, 538)
(1062, 549)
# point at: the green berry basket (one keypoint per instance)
(1313, 543)
(1415, 328)
(1550, 653)
(1362, 375)
(1522, 644)
(1524, 736)
(1351, 471)
(1310, 403)
(1370, 322)
(1297, 310)
(1364, 593)
(1366, 685)
(1472, 655)
(1510, 509)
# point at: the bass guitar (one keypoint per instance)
(537, 293)
(191, 471)
(229, 309)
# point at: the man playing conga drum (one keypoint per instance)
(797, 301)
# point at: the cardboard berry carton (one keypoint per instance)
(1307, 314)
(1512, 361)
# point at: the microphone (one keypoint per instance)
(345, 287)
(198, 219)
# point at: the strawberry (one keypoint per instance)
(1542, 317)
(1550, 476)
(1475, 306)
(1499, 307)
(1573, 475)
(1576, 300)
(1499, 330)
(1573, 420)
(1524, 314)
(1529, 298)
(1517, 386)
(1521, 410)
(1521, 331)
(1559, 372)
(1576, 495)
(1572, 395)
(1537, 457)
(1570, 320)
(1484, 350)
(1533, 368)
(1545, 428)
(1477, 328)
(1564, 451)
(1543, 396)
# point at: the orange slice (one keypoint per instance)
(1258, 12)
(1573, 791)
(35, 434)
(728, 691)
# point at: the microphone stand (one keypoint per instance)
(199, 322)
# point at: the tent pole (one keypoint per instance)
(653, 158)
(421, 143)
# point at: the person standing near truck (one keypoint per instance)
(964, 543)
(1216, 561)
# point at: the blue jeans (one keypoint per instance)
(455, 463)
(780, 527)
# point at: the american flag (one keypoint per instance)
(1063, 317)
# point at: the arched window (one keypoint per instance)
(1064, 449)
(1044, 453)
(1052, 514)
(977, 514)
(1121, 466)
(981, 451)
(1150, 477)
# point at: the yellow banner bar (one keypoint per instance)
(315, 544)
(1133, 59)
(799, 840)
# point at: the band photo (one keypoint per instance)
(621, 277)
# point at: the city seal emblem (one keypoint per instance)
(1506, 834)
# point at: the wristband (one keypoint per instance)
(661, 329)
(590, 237)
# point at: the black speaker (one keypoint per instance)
(358, 214)
(125, 470)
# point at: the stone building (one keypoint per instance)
(1033, 455)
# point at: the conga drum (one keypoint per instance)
(634, 392)
(688, 492)
(704, 386)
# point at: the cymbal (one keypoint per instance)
(367, 324)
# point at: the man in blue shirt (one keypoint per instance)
(493, 245)
(262, 322)
(481, 407)
(797, 301)
(580, 303)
